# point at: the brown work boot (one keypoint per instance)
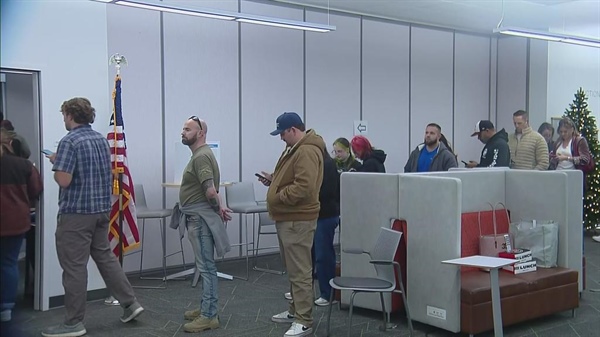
(201, 323)
(191, 315)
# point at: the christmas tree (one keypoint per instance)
(586, 124)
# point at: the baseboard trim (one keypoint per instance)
(92, 295)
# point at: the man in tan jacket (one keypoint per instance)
(528, 149)
(293, 202)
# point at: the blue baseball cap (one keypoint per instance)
(285, 121)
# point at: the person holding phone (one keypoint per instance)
(496, 152)
(82, 169)
(293, 202)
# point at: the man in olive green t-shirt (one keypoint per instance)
(201, 167)
(200, 203)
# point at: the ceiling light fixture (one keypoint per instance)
(542, 35)
(170, 9)
(223, 15)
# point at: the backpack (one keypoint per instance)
(587, 168)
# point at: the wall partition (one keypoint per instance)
(239, 77)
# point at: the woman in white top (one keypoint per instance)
(571, 150)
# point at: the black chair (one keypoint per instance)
(382, 258)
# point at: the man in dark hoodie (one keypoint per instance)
(431, 155)
(496, 152)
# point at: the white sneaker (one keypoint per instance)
(321, 302)
(288, 296)
(298, 330)
(596, 238)
(283, 317)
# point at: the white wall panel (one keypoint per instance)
(538, 83)
(66, 42)
(471, 92)
(571, 67)
(493, 78)
(385, 69)
(333, 77)
(272, 76)
(135, 34)
(512, 80)
(431, 82)
(201, 78)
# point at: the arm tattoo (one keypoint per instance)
(212, 200)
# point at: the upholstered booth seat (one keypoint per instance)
(547, 278)
(524, 296)
(475, 287)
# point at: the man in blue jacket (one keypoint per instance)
(431, 155)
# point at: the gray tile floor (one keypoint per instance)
(247, 306)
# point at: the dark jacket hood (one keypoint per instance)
(378, 155)
(499, 135)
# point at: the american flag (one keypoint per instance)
(118, 148)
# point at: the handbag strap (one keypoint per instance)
(505, 210)
(575, 146)
(479, 219)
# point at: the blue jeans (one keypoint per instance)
(203, 244)
(11, 246)
(324, 254)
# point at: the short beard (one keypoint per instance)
(433, 142)
(189, 142)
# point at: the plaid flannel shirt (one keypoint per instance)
(85, 154)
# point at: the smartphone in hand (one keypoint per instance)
(464, 162)
(261, 176)
(47, 152)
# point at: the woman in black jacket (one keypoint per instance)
(329, 215)
(372, 159)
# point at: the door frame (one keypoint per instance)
(37, 110)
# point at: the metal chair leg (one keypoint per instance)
(257, 248)
(329, 312)
(163, 284)
(182, 254)
(142, 248)
(384, 328)
(196, 278)
(350, 312)
(257, 244)
(410, 326)
(163, 235)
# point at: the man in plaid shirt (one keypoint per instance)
(82, 169)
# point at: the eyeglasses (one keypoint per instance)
(197, 120)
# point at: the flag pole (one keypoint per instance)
(120, 172)
(117, 171)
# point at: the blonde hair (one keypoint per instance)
(567, 122)
(5, 140)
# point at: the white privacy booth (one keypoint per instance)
(432, 204)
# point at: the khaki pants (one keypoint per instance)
(295, 244)
(79, 236)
